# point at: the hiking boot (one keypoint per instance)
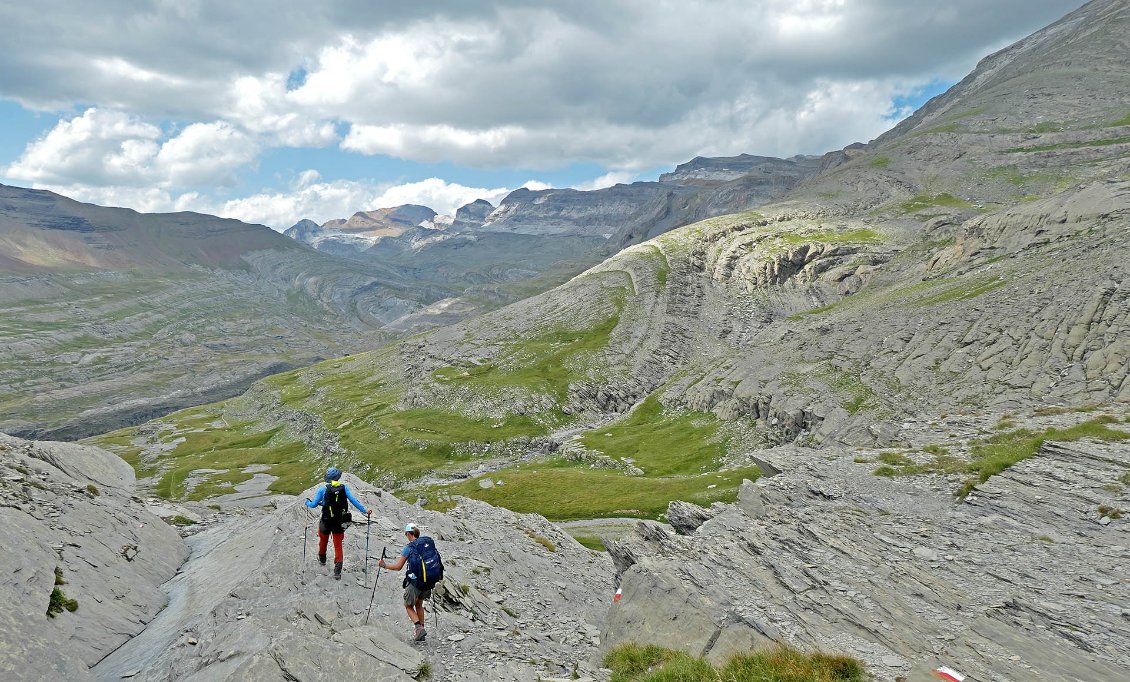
(420, 633)
(322, 559)
(337, 570)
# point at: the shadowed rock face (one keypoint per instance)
(472, 215)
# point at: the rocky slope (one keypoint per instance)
(71, 521)
(522, 598)
(1025, 580)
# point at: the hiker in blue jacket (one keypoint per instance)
(334, 498)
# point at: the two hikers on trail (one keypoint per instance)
(424, 569)
(334, 498)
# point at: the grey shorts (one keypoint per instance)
(412, 594)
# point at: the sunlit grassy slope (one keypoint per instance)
(357, 413)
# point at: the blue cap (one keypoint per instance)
(333, 474)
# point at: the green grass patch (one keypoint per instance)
(880, 162)
(944, 128)
(661, 443)
(858, 395)
(58, 602)
(1109, 511)
(1125, 139)
(226, 452)
(214, 457)
(1009, 174)
(662, 265)
(179, 520)
(367, 416)
(593, 542)
(1057, 409)
(964, 290)
(902, 464)
(547, 363)
(632, 662)
(860, 236)
(562, 491)
(540, 539)
(895, 459)
(922, 202)
(993, 455)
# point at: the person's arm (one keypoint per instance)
(396, 566)
(317, 498)
(349, 496)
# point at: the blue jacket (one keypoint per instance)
(317, 501)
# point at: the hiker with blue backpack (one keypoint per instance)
(334, 498)
(424, 569)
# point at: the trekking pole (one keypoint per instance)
(305, 532)
(374, 588)
(368, 525)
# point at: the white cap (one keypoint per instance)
(412, 528)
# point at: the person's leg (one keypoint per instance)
(338, 537)
(323, 540)
(411, 598)
(419, 611)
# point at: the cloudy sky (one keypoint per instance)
(271, 111)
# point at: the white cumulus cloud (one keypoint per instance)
(623, 85)
(112, 149)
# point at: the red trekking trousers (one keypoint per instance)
(323, 540)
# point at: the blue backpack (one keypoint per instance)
(424, 566)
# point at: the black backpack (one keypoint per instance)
(423, 564)
(335, 507)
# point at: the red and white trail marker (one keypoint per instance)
(616, 597)
(949, 674)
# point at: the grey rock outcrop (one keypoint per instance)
(1020, 582)
(70, 521)
(472, 215)
(686, 517)
(305, 231)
